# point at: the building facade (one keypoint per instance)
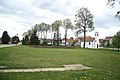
(90, 42)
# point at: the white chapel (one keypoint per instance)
(91, 42)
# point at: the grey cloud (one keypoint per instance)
(105, 21)
(13, 7)
(52, 6)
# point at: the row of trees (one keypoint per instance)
(6, 39)
(83, 23)
(43, 28)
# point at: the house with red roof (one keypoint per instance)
(90, 42)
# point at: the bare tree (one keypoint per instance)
(67, 24)
(56, 25)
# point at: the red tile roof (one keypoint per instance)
(88, 39)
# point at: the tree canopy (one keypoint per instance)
(34, 39)
(116, 40)
(5, 38)
(15, 40)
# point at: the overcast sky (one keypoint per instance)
(18, 16)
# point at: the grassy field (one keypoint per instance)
(105, 63)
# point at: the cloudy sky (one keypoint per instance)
(18, 16)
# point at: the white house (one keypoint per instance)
(90, 41)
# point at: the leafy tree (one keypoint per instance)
(15, 40)
(56, 25)
(84, 21)
(34, 39)
(25, 40)
(0, 40)
(112, 3)
(116, 40)
(5, 38)
(67, 24)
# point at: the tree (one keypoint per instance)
(5, 38)
(25, 40)
(112, 4)
(67, 24)
(52, 30)
(46, 28)
(116, 40)
(29, 33)
(15, 40)
(56, 25)
(34, 39)
(83, 21)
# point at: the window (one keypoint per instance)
(89, 43)
(97, 34)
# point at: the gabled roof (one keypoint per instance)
(108, 38)
(88, 39)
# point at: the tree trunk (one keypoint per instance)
(51, 38)
(58, 37)
(46, 35)
(41, 34)
(84, 37)
(118, 46)
(65, 36)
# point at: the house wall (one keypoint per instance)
(93, 44)
(87, 44)
(96, 44)
(96, 41)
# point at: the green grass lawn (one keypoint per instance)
(105, 63)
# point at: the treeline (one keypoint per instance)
(83, 23)
(42, 29)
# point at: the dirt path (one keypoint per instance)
(65, 68)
